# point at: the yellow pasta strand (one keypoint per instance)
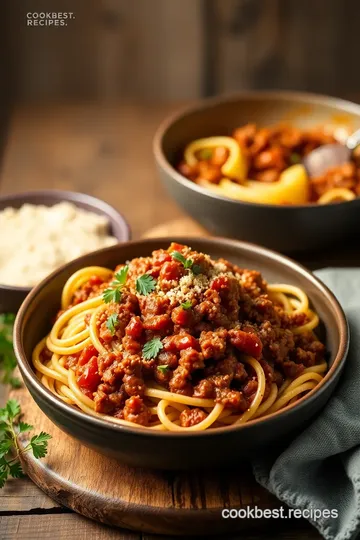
(94, 331)
(259, 392)
(178, 398)
(171, 426)
(79, 278)
(293, 290)
(288, 396)
(336, 194)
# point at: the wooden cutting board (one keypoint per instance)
(160, 502)
(144, 500)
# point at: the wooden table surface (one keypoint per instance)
(104, 151)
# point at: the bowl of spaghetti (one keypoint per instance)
(235, 164)
(177, 353)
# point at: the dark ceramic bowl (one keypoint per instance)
(156, 449)
(11, 297)
(285, 228)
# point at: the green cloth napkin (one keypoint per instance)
(320, 469)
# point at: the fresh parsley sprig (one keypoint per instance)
(145, 284)
(187, 263)
(7, 357)
(152, 348)
(163, 368)
(295, 158)
(206, 154)
(10, 452)
(112, 322)
(113, 294)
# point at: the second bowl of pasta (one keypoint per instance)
(235, 164)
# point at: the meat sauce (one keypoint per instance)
(204, 322)
(271, 150)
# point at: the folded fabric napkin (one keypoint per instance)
(320, 469)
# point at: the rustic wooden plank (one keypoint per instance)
(163, 50)
(21, 495)
(247, 34)
(61, 527)
(154, 501)
(102, 150)
(285, 44)
(141, 49)
(166, 48)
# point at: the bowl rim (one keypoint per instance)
(31, 380)
(205, 103)
(69, 196)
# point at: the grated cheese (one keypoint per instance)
(36, 239)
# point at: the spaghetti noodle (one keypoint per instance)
(177, 342)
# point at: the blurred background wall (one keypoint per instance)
(166, 50)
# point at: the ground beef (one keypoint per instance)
(135, 411)
(276, 342)
(291, 369)
(205, 389)
(204, 316)
(180, 382)
(191, 417)
(232, 399)
(250, 387)
(108, 399)
(213, 344)
(191, 359)
(246, 342)
(252, 282)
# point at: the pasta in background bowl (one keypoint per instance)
(263, 165)
(248, 182)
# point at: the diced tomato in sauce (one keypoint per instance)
(95, 280)
(90, 378)
(88, 352)
(170, 271)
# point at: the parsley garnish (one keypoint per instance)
(163, 369)
(187, 304)
(152, 348)
(120, 277)
(145, 284)
(205, 153)
(10, 452)
(114, 294)
(7, 356)
(295, 158)
(112, 323)
(187, 263)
